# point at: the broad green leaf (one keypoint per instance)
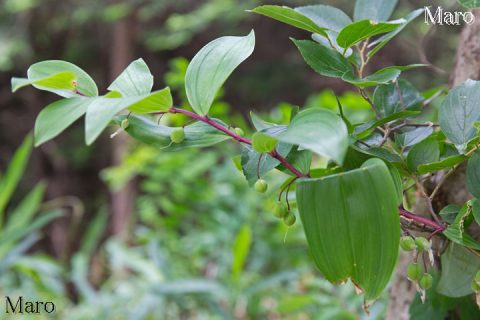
(55, 76)
(382, 76)
(300, 159)
(262, 142)
(366, 127)
(473, 174)
(241, 247)
(23, 213)
(331, 42)
(381, 153)
(470, 4)
(135, 80)
(327, 17)
(323, 60)
(414, 136)
(212, 65)
(459, 111)
(377, 10)
(290, 16)
(459, 267)
(442, 164)
(197, 134)
(425, 152)
(476, 210)
(364, 29)
(57, 116)
(383, 40)
(342, 215)
(320, 131)
(456, 231)
(13, 174)
(102, 110)
(258, 123)
(395, 97)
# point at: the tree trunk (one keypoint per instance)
(467, 66)
(122, 201)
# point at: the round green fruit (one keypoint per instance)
(422, 244)
(280, 210)
(407, 243)
(177, 135)
(426, 281)
(261, 186)
(414, 271)
(239, 131)
(289, 219)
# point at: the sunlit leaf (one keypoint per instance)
(364, 29)
(135, 80)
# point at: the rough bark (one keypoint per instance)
(467, 66)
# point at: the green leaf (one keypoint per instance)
(258, 123)
(14, 173)
(197, 134)
(414, 136)
(459, 267)
(456, 231)
(470, 4)
(324, 16)
(459, 111)
(212, 65)
(135, 80)
(290, 16)
(395, 97)
(382, 76)
(56, 76)
(383, 40)
(368, 126)
(262, 142)
(241, 247)
(323, 60)
(300, 159)
(473, 174)
(364, 29)
(425, 152)
(442, 164)
(449, 212)
(320, 131)
(102, 110)
(57, 116)
(378, 10)
(476, 210)
(342, 215)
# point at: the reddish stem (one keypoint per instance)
(237, 137)
(422, 220)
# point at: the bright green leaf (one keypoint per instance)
(212, 65)
(320, 131)
(262, 142)
(470, 4)
(241, 247)
(378, 10)
(290, 16)
(57, 116)
(342, 215)
(135, 80)
(382, 76)
(445, 163)
(364, 29)
(425, 152)
(160, 100)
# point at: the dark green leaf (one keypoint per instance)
(473, 174)
(212, 65)
(395, 97)
(425, 152)
(382, 76)
(414, 136)
(456, 231)
(290, 16)
(459, 112)
(459, 267)
(442, 164)
(377, 10)
(449, 212)
(470, 4)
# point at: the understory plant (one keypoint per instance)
(354, 182)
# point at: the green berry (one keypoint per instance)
(177, 135)
(239, 131)
(414, 272)
(280, 210)
(261, 186)
(426, 281)
(422, 244)
(289, 219)
(124, 124)
(407, 243)
(475, 286)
